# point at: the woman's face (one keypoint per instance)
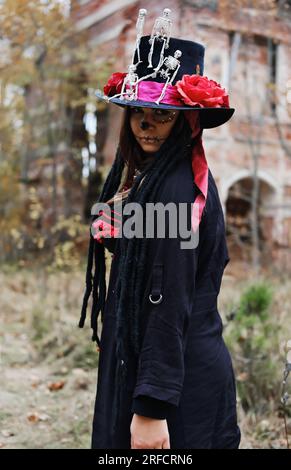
(152, 126)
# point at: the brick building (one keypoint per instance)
(248, 52)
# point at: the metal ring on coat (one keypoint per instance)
(156, 301)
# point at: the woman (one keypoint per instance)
(165, 377)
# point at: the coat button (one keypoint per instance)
(122, 362)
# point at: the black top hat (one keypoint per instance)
(189, 90)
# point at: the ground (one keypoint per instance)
(49, 366)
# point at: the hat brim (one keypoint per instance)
(209, 117)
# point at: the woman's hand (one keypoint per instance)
(149, 433)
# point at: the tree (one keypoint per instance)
(46, 69)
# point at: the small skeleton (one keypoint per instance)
(131, 79)
(161, 32)
(139, 32)
(172, 65)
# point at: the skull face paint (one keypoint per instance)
(152, 126)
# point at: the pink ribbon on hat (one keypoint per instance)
(151, 91)
(200, 170)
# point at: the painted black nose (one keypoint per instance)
(144, 125)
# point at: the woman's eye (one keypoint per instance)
(136, 110)
(161, 112)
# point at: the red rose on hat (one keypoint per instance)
(114, 84)
(196, 90)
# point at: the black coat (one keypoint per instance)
(184, 372)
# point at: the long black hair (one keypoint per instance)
(132, 251)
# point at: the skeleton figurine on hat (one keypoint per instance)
(172, 65)
(139, 32)
(161, 32)
(131, 82)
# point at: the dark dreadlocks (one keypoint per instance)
(132, 252)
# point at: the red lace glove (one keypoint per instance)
(107, 225)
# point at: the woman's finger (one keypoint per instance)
(166, 444)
